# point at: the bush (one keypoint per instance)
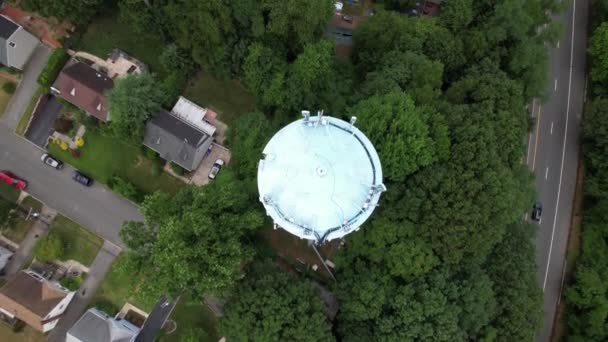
(71, 283)
(75, 153)
(90, 122)
(126, 189)
(56, 62)
(62, 125)
(49, 248)
(9, 87)
(178, 169)
(150, 153)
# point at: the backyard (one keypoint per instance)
(189, 315)
(26, 334)
(228, 98)
(106, 32)
(103, 157)
(78, 243)
(17, 229)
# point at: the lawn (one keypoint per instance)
(4, 96)
(31, 202)
(106, 32)
(229, 98)
(116, 290)
(80, 244)
(17, 229)
(27, 334)
(25, 118)
(9, 193)
(103, 157)
(190, 315)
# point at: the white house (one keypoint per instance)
(95, 325)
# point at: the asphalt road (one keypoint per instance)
(96, 208)
(553, 154)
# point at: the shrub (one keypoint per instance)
(79, 141)
(106, 306)
(71, 283)
(63, 145)
(150, 153)
(75, 153)
(49, 248)
(90, 122)
(62, 125)
(178, 169)
(9, 87)
(56, 62)
(126, 189)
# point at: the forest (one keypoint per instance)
(446, 256)
(587, 296)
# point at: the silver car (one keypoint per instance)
(52, 162)
(215, 169)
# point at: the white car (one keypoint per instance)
(339, 5)
(215, 169)
(52, 162)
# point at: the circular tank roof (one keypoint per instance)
(320, 178)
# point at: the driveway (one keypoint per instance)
(81, 300)
(42, 121)
(96, 208)
(27, 87)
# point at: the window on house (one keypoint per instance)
(73, 92)
(158, 141)
(11, 44)
(99, 107)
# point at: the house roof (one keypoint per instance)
(174, 139)
(95, 325)
(193, 114)
(7, 27)
(5, 254)
(85, 87)
(30, 297)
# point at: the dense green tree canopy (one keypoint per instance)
(132, 102)
(270, 305)
(181, 249)
(79, 12)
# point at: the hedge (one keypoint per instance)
(53, 67)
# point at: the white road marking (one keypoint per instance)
(555, 85)
(536, 143)
(530, 136)
(526, 217)
(558, 44)
(546, 172)
(551, 127)
(561, 172)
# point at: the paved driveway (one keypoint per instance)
(42, 122)
(27, 87)
(79, 304)
(96, 208)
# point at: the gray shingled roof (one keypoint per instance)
(95, 325)
(174, 139)
(7, 28)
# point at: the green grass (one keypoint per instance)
(27, 334)
(17, 229)
(4, 96)
(229, 98)
(25, 118)
(190, 315)
(80, 244)
(116, 289)
(103, 156)
(106, 32)
(31, 202)
(8, 192)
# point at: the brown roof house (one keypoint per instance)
(38, 302)
(84, 87)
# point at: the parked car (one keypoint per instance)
(10, 179)
(51, 161)
(537, 212)
(82, 179)
(215, 169)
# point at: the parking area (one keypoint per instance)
(44, 117)
(201, 175)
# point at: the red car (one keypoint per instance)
(10, 179)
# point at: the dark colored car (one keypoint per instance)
(537, 212)
(82, 179)
(51, 161)
(10, 179)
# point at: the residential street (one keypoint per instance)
(553, 155)
(96, 208)
(22, 96)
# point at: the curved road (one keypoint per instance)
(96, 208)
(553, 154)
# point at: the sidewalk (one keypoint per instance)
(26, 248)
(86, 292)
